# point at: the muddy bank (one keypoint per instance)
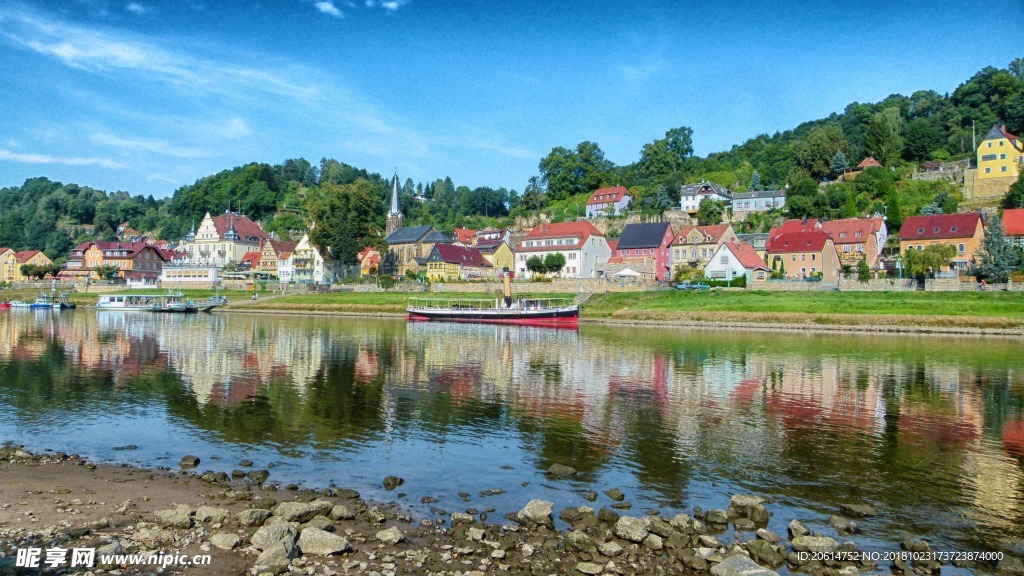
(248, 526)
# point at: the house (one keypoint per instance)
(695, 245)
(692, 194)
(250, 260)
(643, 248)
(270, 254)
(309, 265)
(1013, 226)
(875, 225)
(369, 261)
(854, 239)
(451, 262)
(222, 239)
(744, 203)
(851, 174)
(583, 246)
(408, 248)
(964, 231)
(732, 260)
(464, 237)
(138, 261)
(497, 252)
(1000, 155)
(805, 254)
(285, 267)
(500, 234)
(11, 263)
(757, 241)
(608, 202)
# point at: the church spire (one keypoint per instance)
(394, 212)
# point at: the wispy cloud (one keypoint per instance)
(329, 8)
(391, 5)
(136, 8)
(32, 158)
(154, 146)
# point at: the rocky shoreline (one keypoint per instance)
(249, 526)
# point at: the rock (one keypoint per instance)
(843, 525)
(858, 510)
(744, 525)
(820, 544)
(390, 536)
(766, 534)
(741, 505)
(1010, 566)
(273, 533)
(615, 494)
(659, 527)
(561, 470)
(654, 542)
(589, 567)
(527, 550)
(225, 540)
(461, 518)
(125, 447)
(696, 563)
(740, 565)
(276, 557)
(796, 528)
(763, 552)
(245, 463)
(295, 512)
(392, 482)
(322, 543)
(579, 540)
(708, 541)
(111, 548)
(760, 515)
(611, 549)
(252, 517)
(915, 546)
(189, 461)
(153, 538)
(342, 512)
(258, 476)
(320, 523)
(719, 517)
(632, 529)
(590, 495)
(177, 518)
(210, 514)
(537, 512)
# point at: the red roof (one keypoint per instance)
(132, 248)
(243, 226)
(608, 195)
(464, 235)
(25, 255)
(369, 250)
(869, 162)
(940, 226)
(846, 231)
(796, 242)
(279, 246)
(712, 233)
(1013, 222)
(612, 244)
(746, 255)
(253, 258)
(452, 254)
(580, 231)
(4, 249)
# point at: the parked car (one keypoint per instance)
(692, 286)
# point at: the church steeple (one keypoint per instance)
(394, 212)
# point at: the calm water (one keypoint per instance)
(930, 431)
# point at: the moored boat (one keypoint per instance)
(138, 302)
(5, 305)
(526, 311)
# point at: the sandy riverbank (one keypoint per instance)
(246, 528)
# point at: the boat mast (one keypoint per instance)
(507, 276)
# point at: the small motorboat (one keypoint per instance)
(19, 304)
(5, 305)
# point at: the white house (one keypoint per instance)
(308, 265)
(690, 195)
(221, 239)
(285, 267)
(733, 260)
(757, 201)
(583, 246)
(608, 201)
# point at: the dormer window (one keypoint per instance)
(920, 230)
(953, 229)
(935, 230)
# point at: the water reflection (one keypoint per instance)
(930, 430)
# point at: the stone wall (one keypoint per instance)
(791, 286)
(975, 187)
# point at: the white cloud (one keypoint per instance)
(391, 5)
(32, 158)
(154, 146)
(329, 8)
(136, 8)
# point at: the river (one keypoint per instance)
(929, 430)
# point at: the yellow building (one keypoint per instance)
(1000, 154)
(449, 263)
(11, 263)
(964, 231)
(805, 255)
(497, 253)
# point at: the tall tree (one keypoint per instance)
(668, 155)
(883, 138)
(1015, 195)
(839, 163)
(997, 258)
(710, 212)
(346, 218)
(820, 148)
(569, 172)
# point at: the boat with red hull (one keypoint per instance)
(522, 311)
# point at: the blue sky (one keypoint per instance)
(148, 95)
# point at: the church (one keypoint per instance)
(408, 247)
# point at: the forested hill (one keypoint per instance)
(900, 131)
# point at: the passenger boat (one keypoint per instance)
(172, 302)
(527, 311)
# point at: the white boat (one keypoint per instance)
(139, 302)
(20, 304)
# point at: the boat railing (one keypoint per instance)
(519, 303)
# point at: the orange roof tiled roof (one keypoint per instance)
(613, 244)
(25, 255)
(464, 235)
(869, 162)
(746, 255)
(608, 195)
(580, 231)
(252, 258)
(246, 228)
(940, 226)
(812, 241)
(849, 230)
(1013, 223)
(712, 233)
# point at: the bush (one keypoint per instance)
(737, 282)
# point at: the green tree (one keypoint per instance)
(710, 212)
(883, 138)
(346, 218)
(863, 270)
(106, 271)
(924, 137)
(567, 172)
(755, 182)
(997, 258)
(817, 152)
(536, 265)
(925, 263)
(893, 210)
(667, 156)
(1015, 195)
(839, 163)
(386, 282)
(554, 262)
